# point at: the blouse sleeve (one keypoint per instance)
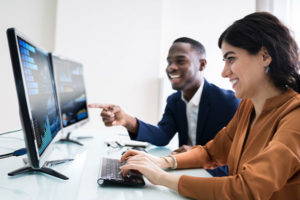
(215, 152)
(261, 176)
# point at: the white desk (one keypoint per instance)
(82, 172)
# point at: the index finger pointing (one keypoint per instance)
(99, 105)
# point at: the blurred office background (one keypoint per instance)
(123, 44)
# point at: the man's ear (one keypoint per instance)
(202, 64)
(267, 59)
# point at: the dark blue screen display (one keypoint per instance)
(71, 90)
(41, 94)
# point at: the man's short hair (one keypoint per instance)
(194, 43)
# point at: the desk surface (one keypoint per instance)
(82, 172)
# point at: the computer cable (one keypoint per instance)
(18, 152)
(8, 132)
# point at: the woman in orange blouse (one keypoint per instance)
(261, 144)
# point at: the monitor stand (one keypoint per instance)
(44, 169)
(68, 139)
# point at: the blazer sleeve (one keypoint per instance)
(161, 134)
(264, 174)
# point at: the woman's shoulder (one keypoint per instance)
(291, 101)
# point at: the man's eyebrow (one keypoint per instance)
(227, 53)
(176, 57)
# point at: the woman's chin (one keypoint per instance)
(238, 95)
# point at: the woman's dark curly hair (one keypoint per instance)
(262, 29)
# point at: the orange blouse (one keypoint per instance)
(264, 165)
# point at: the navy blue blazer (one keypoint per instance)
(217, 107)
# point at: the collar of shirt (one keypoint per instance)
(195, 100)
(192, 108)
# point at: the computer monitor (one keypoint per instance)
(38, 105)
(71, 93)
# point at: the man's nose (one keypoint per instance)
(171, 67)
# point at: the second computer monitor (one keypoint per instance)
(71, 92)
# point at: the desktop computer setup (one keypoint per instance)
(38, 104)
(52, 102)
(42, 105)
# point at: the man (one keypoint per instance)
(197, 111)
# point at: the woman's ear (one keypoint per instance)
(267, 59)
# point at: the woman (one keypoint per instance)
(261, 144)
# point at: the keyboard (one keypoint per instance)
(109, 174)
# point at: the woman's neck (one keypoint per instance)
(260, 98)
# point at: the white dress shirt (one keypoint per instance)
(192, 108)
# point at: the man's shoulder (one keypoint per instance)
(176, 96)
(219, 91)
(221, 95)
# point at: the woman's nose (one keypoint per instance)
(226, 71)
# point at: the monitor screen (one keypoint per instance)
(36, 94)
(71, 91)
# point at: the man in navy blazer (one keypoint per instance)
(197, 111)
(216, 109)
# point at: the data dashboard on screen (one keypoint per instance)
(71, 91)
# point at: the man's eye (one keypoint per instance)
(180, 62)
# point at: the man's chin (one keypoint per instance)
(176, 87)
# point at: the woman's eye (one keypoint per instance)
(230, 59)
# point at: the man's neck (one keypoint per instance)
(188, 93)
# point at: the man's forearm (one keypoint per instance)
(131, 124)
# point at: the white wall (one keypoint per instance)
(119, 44)
(35, 19)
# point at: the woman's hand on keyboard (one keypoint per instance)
(156, 160)
(147, 165)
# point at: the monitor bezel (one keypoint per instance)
(72, 127)
(35, 160)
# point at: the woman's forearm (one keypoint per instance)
(170, 180)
